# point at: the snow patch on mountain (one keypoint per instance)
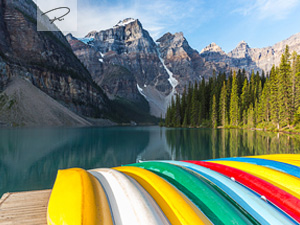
(102, 55)
(124, 22)
(86, 40)
(171, 79)
(141, 90)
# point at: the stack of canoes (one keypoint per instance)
(244, 190)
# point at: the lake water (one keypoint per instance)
(30, 158)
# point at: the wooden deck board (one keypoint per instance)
(24, 208)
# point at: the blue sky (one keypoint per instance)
(260, 23)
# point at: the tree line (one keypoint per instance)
(260, 100)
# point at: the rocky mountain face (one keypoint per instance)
(245, 57)
(124, 61)
(214, 53)
(127, 63)
(185, 63)
(46, 60)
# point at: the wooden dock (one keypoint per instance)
(26, 208)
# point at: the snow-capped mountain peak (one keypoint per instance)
(124, 22)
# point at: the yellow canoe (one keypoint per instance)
(177, 208)
(77, 198)
(284, 181)
(293, 159)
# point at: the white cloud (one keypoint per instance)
(157, 16)
(272, 9)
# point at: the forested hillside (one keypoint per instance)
(268, 101)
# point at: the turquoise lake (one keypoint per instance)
(30, 157)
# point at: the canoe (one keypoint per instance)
(130, 203)
(253, 191)
(293, 159)
(280, 166)
(177, 208)
(261, 210)
(284, 181)
(278, 156)
(282, 199)
(215, 204)
(77, 198)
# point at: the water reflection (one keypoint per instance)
(30, 158)
(204, 144)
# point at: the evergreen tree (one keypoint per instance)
(194, 108)
(202, 106)
(284, 90)
(245, 117)
(223, 106)
(252, 88)
(293, 78)
(234, 103)
(228, 86)
(259, 90)
(264, 105)
(245, 97)
(214, 116)
(250, 122)
(296, 70)
(168, 117)
(259, 113)
(255, 109)
(297, 90)
(173, 113)
(240, 81)
(185, 121)
(183, 104)
(263, 79)
(177, 115)
(274, 103)
(161, 123)
(189, 103)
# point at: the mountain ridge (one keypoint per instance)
(257, 59)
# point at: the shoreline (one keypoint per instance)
(242, 128)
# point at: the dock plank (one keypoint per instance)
(26, 208)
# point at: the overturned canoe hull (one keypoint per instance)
(240, 190)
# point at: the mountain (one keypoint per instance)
(46, 60)
(124, 62)
(127, 64)
(245, 57)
